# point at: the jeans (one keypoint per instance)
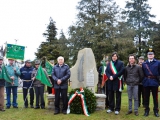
(132, 93)
(14, 93)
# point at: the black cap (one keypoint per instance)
(150, 51)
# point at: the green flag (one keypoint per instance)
(48, 67)
(42, 76)
(5, 75)
(15, 52)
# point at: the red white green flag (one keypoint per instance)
(104, 76)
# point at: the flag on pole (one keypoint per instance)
(5, 75)
(104, 76)
(43, 77)
(15, 52)
(48, 67)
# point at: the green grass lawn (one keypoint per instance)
(44, 114)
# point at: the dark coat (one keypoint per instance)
(133, 75)
(26, 75)
(154, 67)
(62, 73)
(114, 84)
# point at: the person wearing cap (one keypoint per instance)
(26, 72)
(2, 84)
(140, 86)
(132, 75)
(114, 83)
(151, 69)
(38, 87)
(61, 74)
(105, 88)
(14, 73)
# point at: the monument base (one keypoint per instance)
(100, 98)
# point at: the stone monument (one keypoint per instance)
(84, 72)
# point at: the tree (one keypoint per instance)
(63, 47)
(155, 40)
(138, 18)
(95, 28)
(49, 48)
(123, 42)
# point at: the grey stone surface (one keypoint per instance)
(84, 72)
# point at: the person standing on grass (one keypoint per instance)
(38, 87)
(14, 73)
(140, 86)
(114, 71)
(105, 87)
(2, 84)
(61, 74)
(132, 75)
(151, 69)
(26, 72)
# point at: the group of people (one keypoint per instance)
(59, 78)
(30, 84)
(140, 79)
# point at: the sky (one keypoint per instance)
(23, 22)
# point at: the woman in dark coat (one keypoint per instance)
(114, 72)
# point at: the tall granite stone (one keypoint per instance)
(84, 72)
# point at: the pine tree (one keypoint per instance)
(49, 48)
(155, 40)
(63, 47)
(138, 18)
(95, 28)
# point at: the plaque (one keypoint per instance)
(90, 79)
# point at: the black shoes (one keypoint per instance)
(156, 114)
(32, 106)
(136, 113)
(36, 107)
(42, 107)
(146, 114)
(2, 110)
(7, 107)
(56, 112)
(64, 112)
(26, 106)
(129, 112)
(15, 106)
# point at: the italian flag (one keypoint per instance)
(104, 76)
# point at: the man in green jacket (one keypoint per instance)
(14, 73)
(2, 84)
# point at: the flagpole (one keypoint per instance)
(27, 94)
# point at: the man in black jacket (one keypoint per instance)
(61, 74)
(114, 72)
(2, 84)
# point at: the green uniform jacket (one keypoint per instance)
(10, 70)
